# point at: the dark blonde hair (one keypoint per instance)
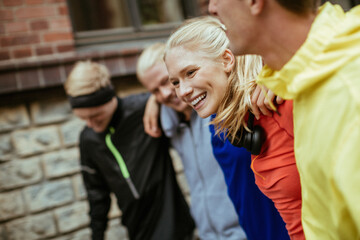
(237, 100)
(206, 35)
(86, 77)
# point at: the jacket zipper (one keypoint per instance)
(121, 162)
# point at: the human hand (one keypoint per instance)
(262, 101)
(151, 116)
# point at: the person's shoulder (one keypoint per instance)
(170, 121)
(133, 107)
(168, 114)
(135, 100)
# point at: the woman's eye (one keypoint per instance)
(190, 73)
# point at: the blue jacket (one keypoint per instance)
(214, 214)
(257, 214)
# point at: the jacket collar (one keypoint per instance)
(316, 59)
(117, 114)
(171, 121)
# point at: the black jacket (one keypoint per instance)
(161, 212)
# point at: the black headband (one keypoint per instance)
(100, 97)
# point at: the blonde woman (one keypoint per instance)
(209, 78)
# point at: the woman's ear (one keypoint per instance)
(228, 61)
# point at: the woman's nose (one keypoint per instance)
(185, 90)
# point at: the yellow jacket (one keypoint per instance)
(323, 79)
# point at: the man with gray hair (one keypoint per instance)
(214, 214)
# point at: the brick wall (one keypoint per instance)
(34, 28)
(41, 190)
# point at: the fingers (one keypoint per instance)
(279, 100)
(254, 99)
(260, 103)
(151, 127)
(264, 105)
(269, 100)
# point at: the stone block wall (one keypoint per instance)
(42, 195)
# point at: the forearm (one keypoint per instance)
(98, 217)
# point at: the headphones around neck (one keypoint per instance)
(253, 140)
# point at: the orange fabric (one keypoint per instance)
(275, 169)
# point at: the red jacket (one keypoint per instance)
(275, 169)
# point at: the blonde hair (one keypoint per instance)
(237, 100)
(149, 57)
(86, 77)
(206, 35)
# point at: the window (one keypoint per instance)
(106, 21)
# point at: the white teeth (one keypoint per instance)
(198, 99)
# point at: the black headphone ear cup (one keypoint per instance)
(253, 140)
(247, 140)
(257, 140)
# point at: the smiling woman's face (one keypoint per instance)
(199, 81)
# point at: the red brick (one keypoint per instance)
(2, 28)
(4, 55)
(63, 10)
(44, 51)
(53, 37)
(18, 40)
(65, 48)
(16, 27)
(34, 2)
(131, 51)
(39, 25)
(10, 3)
(35, 12)
(6, 15)
(21, 53)
(55, 1)
(63, 23)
